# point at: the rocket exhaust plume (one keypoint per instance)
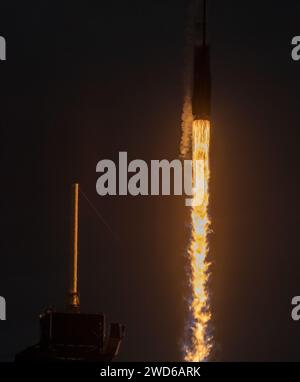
(195, 140)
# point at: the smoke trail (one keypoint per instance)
(195, 144)
(187, 116)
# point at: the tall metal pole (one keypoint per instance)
(73, 297)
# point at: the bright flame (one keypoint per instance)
(200, 343)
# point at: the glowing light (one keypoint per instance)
(199, 345)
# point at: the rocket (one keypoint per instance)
(201, 74)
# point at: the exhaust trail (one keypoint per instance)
(195, 141)
(187, 114)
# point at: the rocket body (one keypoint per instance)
(201, 83)
(201, 75)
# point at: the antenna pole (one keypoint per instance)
(73, 297)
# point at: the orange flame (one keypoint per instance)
(200, 344)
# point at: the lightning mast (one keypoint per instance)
(73, 303)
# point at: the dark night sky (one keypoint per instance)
(84, 81)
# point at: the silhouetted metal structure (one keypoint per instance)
(72, 335)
